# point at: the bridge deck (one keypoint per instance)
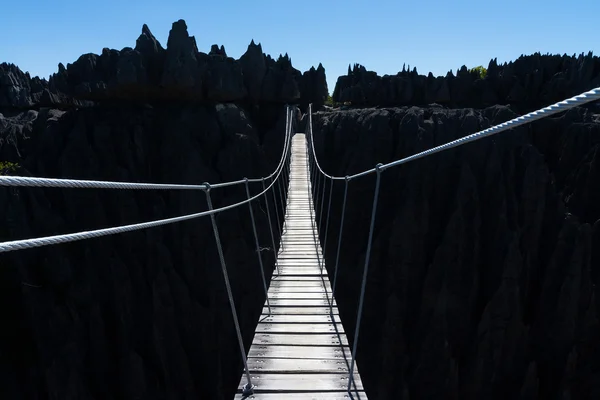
(300, 351)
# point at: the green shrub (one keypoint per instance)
(7, 166)
(480, 70)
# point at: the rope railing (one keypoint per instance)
(318, 175)
(64, 238)
(275, 177)
(26, 181)
(556, 108)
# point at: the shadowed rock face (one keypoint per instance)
(528, 83)
(314, 88)
(151, 73)
(19, 91)
(142, 314)
(483, 280)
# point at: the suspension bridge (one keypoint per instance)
(300, 349)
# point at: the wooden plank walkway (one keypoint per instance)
(300, 351)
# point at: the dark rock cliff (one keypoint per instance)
(483, 280)
(484, 273)
(140, 315)
(315, 90)
(151, 73)
(528, 83)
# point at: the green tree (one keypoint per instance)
(329, 101)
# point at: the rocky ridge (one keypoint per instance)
(528, 83)
(483, 279)
(178, 73)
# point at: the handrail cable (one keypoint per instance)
(26, 181)
(564, 105)
(70, 237)
(317, 172)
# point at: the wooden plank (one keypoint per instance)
(296, 295)
(289, 263)
(269, 382)
(308, 246)
(301, 352)
(309, 243)
(307, 252)
(297, 278)
(340, 395)
(276, 290)
(267, 328)
(293, 265)
(301, 319)
(301, 280)
(297, 251)
(298, 235)
(297, 289)
(297, 245)
(299, 292)
(300, 243)
(300, 310)
(309, 255)
(300, 302)
(290, 365)
(285, 339)
(283, 283)
(300, 271)
(300, 289)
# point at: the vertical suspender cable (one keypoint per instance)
(270, 227)
(260, 263)
(322, 204)
(276, 209)
(248, 388)
(337, 257)
(364, 278)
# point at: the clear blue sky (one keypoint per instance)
(433, 35)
